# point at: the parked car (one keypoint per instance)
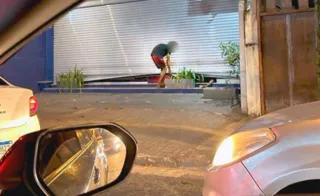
(18, 114)
(111, 144)
(273, 154)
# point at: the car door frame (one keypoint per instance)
(35, 21)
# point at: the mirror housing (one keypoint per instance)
(29, 149)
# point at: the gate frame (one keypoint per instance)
(252, 92)
(252, 81)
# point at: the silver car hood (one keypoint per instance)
(284, 116)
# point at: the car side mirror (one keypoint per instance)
(80, 160)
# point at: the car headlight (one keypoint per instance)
(242, 144)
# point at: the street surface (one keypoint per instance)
(177, 134)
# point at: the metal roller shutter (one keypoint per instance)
(116, 39)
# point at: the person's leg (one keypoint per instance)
(162, 77)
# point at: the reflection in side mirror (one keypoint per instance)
(79, 161)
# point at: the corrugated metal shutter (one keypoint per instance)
(116, 40)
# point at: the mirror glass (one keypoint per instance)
(78, 161)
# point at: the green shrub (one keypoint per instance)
(231, 55)
(73, 79)
(185, 73)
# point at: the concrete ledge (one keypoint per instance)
(219, 93)
(116, 85)
(120, 85)
(183, 83)
(145, 85)
(229, 81)
(129, 90)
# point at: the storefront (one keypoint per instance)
(115, 38)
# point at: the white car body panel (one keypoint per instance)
(15, 120)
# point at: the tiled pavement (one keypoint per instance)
(173, 131)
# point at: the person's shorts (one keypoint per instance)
(159, 62)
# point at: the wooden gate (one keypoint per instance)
(288, 52)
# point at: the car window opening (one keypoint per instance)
(3, 83)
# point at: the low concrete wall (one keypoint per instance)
(219, 93)
(177, 84)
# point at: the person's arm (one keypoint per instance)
(169, 64)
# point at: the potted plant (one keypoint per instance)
(185, 78)
(71, 80)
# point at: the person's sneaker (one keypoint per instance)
(161, 86)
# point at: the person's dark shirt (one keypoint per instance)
(161, 50)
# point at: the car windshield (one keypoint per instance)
(182, 76)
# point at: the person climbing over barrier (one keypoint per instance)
(158, 54)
